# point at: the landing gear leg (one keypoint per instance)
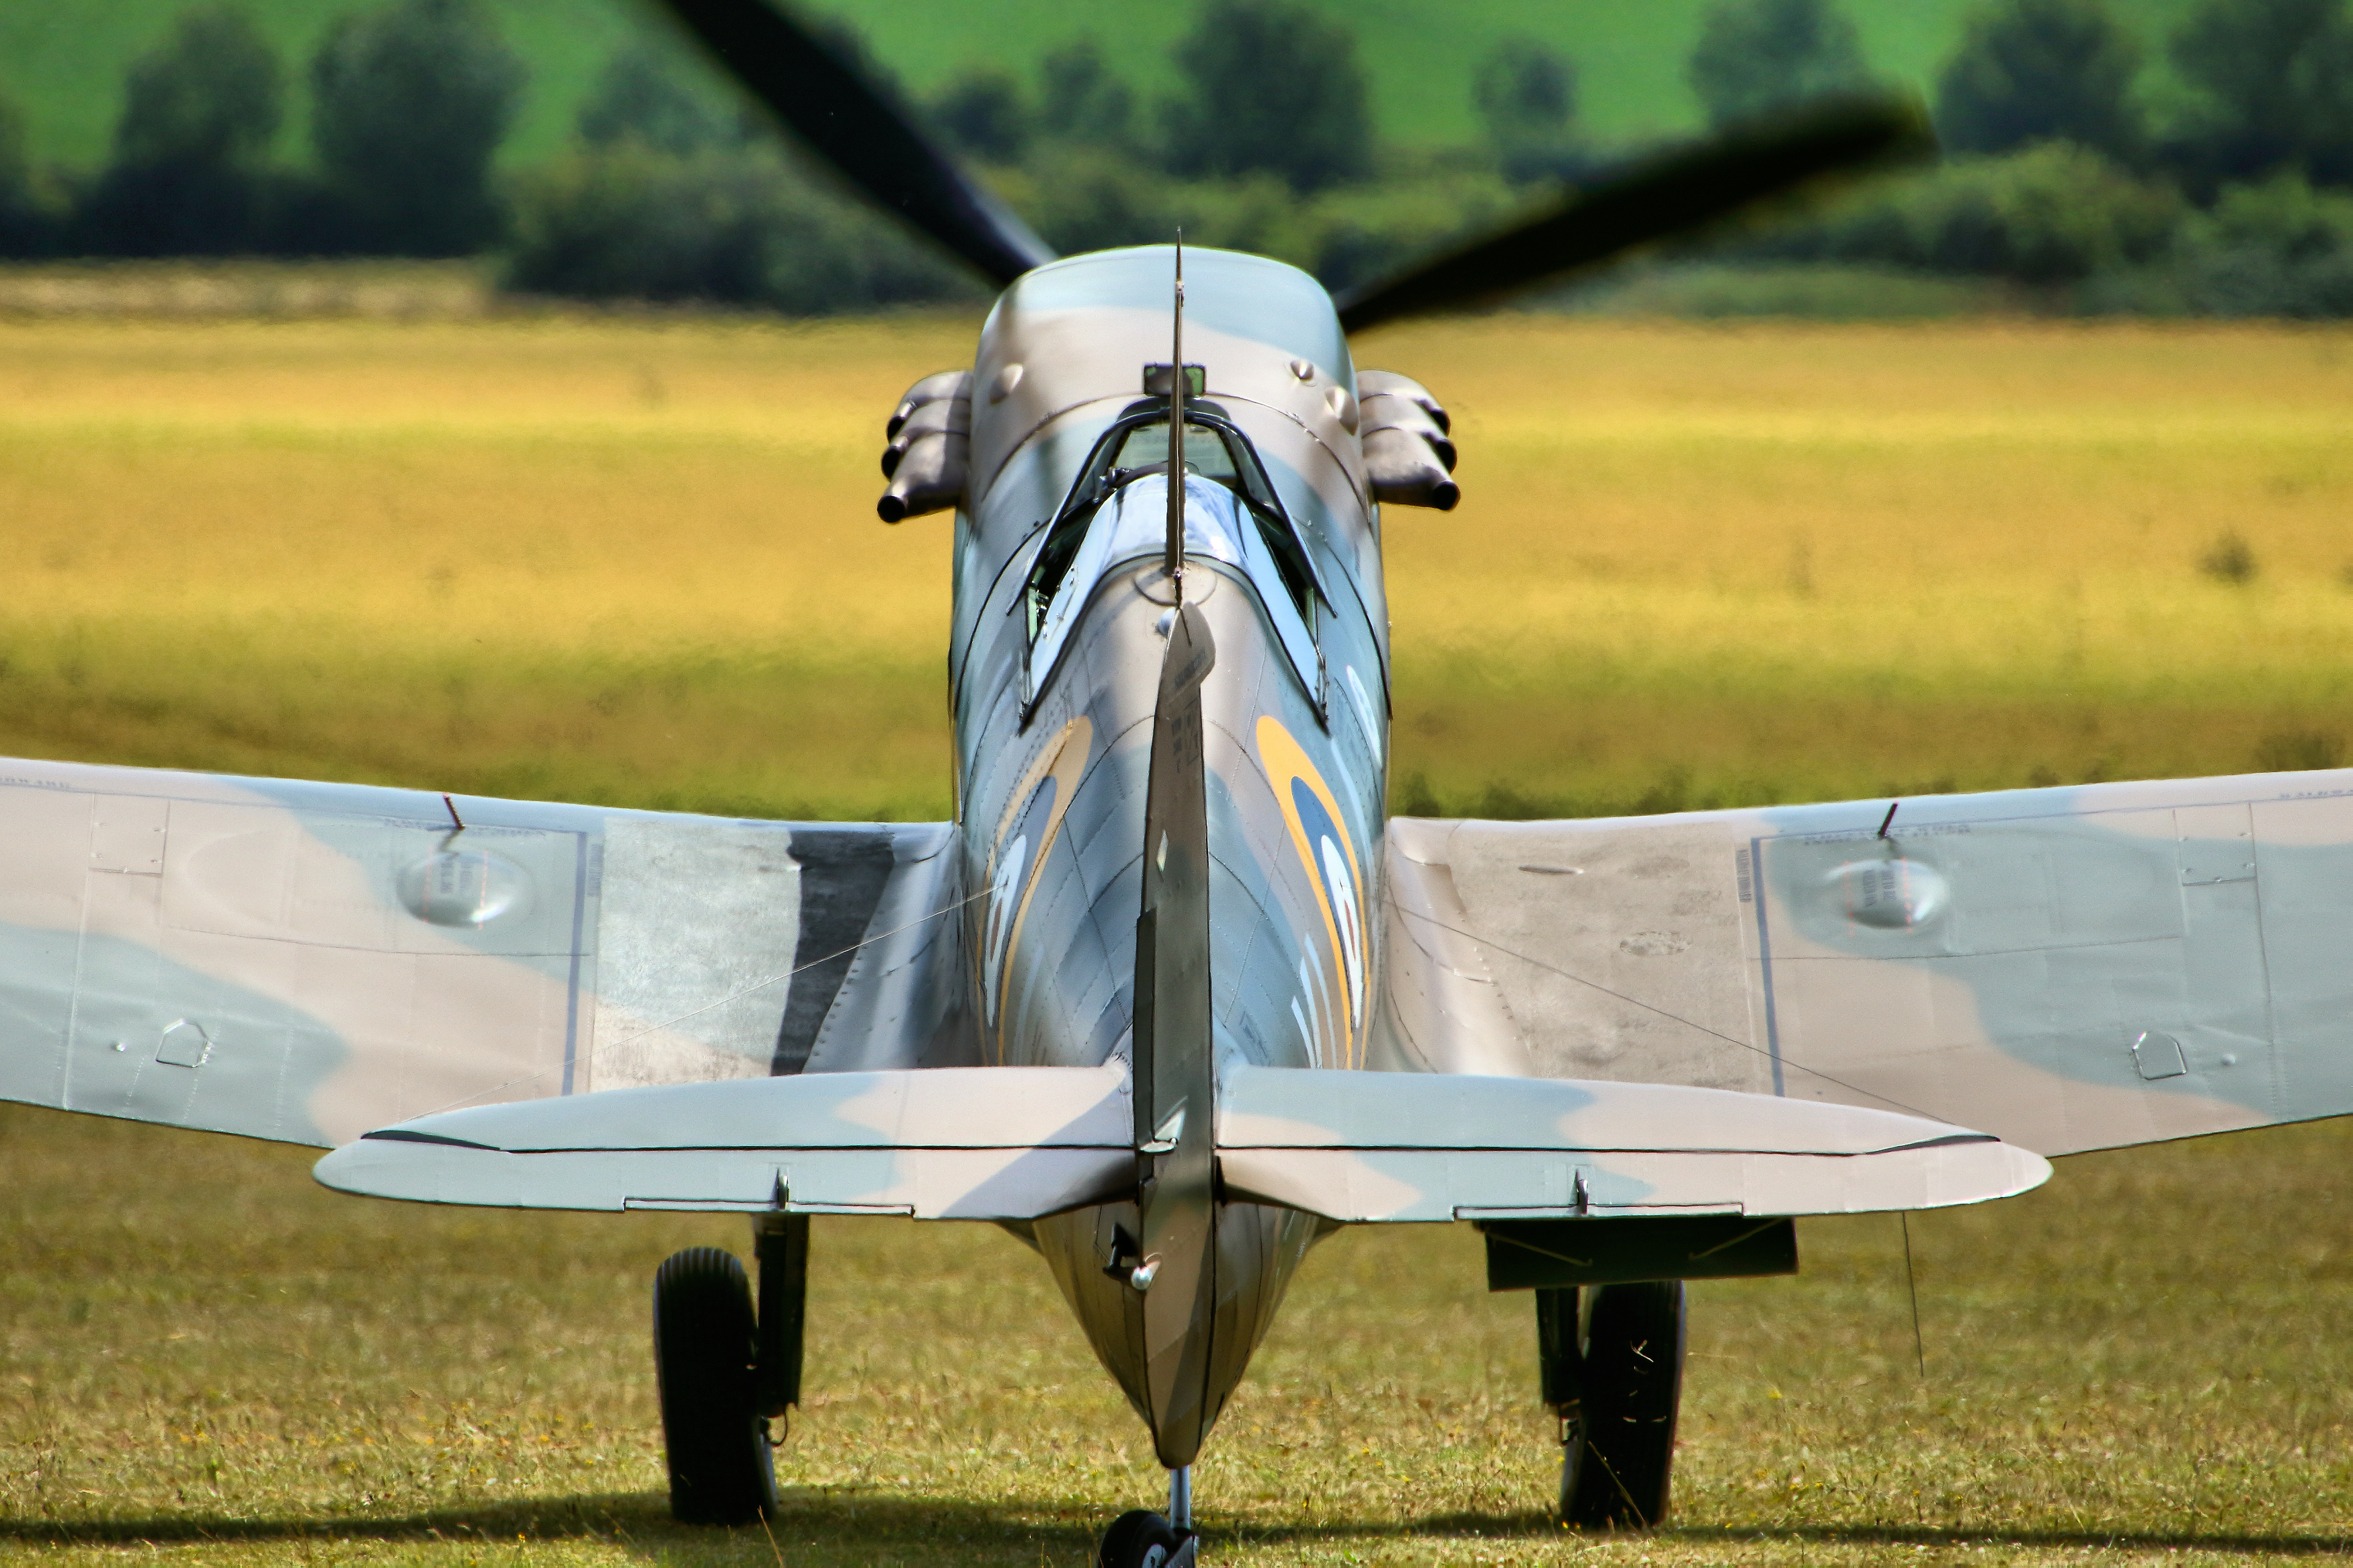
(1143, 1539)
(724, 1370)
(781, 1247)
(1615, 1381)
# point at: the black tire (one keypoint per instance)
(1619, 1461)
(721, 1471)
(1135, 1537)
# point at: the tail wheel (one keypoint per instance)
(1140, 1539)
(1620, 1454)
(720, 1470)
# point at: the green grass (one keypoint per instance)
(210, 1358)
(63, 59)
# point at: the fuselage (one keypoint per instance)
(1063, 610)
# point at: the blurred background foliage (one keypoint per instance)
(2192, 158)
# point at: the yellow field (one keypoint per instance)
(637, 561)
(1806, 562)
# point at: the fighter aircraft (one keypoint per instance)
(1170, 999)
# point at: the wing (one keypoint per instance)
(2067, 969)
(304, 962)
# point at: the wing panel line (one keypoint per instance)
(572, 993)
(1676, 1017)
(1765, 958)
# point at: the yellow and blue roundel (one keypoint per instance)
(1335, 1014)
(1033, 816)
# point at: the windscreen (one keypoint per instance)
(1212, 452)
(1205, 451)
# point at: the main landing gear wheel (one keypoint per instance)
(1143, 1539)
(720, 1470)
(1618, 1446)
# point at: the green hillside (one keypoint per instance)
(63, 60)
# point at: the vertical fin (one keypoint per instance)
(1174, 1080)
(1172, 970)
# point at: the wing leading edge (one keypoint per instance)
(2067, 969)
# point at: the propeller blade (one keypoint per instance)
(780, 62)
(1668, 195)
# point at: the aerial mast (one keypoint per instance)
(1174, 559)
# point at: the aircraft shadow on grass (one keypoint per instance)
(1528, 1523)
(2251, 1543)
(810, 1523)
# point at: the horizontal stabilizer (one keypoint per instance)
(934, 1143)
(1359, 1146)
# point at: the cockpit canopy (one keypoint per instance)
(1137, 447)
(1233, 517)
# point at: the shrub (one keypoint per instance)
(2277, 248)
(1755, 56)
(641, 96)
(2055, 213)
(410, 103)
(1371, 230)
(1526, 94)
(1081, 198)
(189, 175)
(2276, 79)
(1086, 199)
(730, 226)
(29, 224)
(2040, 71)
(1080, 99)
(1275, 86)
(982, 115)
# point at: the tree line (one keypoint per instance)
(410, 102)
(2065, 170)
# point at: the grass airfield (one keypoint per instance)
(635, 560)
